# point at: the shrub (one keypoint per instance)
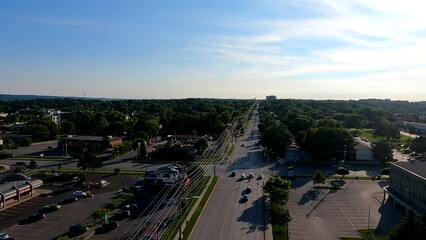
(116, 171)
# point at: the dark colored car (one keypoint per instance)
(36, 216)
(122, 214)
(130, 207)
(78, 228)
(110, 225)
(51, 207)
(69, 199)
(233, 174)
(248, 190)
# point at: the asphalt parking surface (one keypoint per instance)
(57, 223)
(320, 213)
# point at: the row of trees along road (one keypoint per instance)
(278, 190)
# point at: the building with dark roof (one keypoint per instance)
(407, 185)
(92, 144)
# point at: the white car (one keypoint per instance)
(4, 236)
(79, 194)
(243, 176)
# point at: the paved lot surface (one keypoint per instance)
(57, 223)
(323, 214)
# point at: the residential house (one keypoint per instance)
(363, 152)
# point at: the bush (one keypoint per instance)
(124, 196)
(65, 237)
(114, 204)
(116, 171)
(4, 155)
(100, 212)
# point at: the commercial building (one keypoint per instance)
(407, 185)
(16, 187)
(271, 97)
(91, 144)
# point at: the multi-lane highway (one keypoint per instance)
(226, 215)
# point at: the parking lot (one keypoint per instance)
(321, 213)
(12, 220)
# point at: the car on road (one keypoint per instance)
(256, 144)
(233, 174)
(222, 162)
(79, 194)
(78, 228)
(251, 175)
(69, 199)
(243, 145)
(111, 224)
(36, 216)
(4, 236)
(248, 190)
(168, 202)
(260, 177)
(243, 176)
(51, 207)
(50, 147)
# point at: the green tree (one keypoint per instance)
(117, 171)
(32, 165)
(278, 214)
(354, 121)
(277, 138)
(201, 145)
(319, 177)
(278, 189)
(419, 145)
(326, 143)
(100, 213)
(382, 151)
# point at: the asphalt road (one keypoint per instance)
(226, 216)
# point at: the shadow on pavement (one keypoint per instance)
(254, 216)
(390, 217)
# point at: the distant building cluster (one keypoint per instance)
(271, 98)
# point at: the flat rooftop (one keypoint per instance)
(417, 167)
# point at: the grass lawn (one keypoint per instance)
(279, 232)
(369, 135)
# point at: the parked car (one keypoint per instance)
(251, 175)
(69, 199)
(248, 190)
(89, 194)
(233, 174)
(245, 197)
(130, 207)
(111, 224)
(122, 214)
(79, 194)
(36, 216)
(260, 177)
(243, 176)
(78, 228)
(51, 207)
(222, 162)
(243, 145)
(4, 236)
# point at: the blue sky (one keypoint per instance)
(316, 49)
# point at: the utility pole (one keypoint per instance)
(368, 224)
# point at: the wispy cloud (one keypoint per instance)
(384, 42)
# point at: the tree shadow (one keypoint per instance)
(310, 195)
(254, 216)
